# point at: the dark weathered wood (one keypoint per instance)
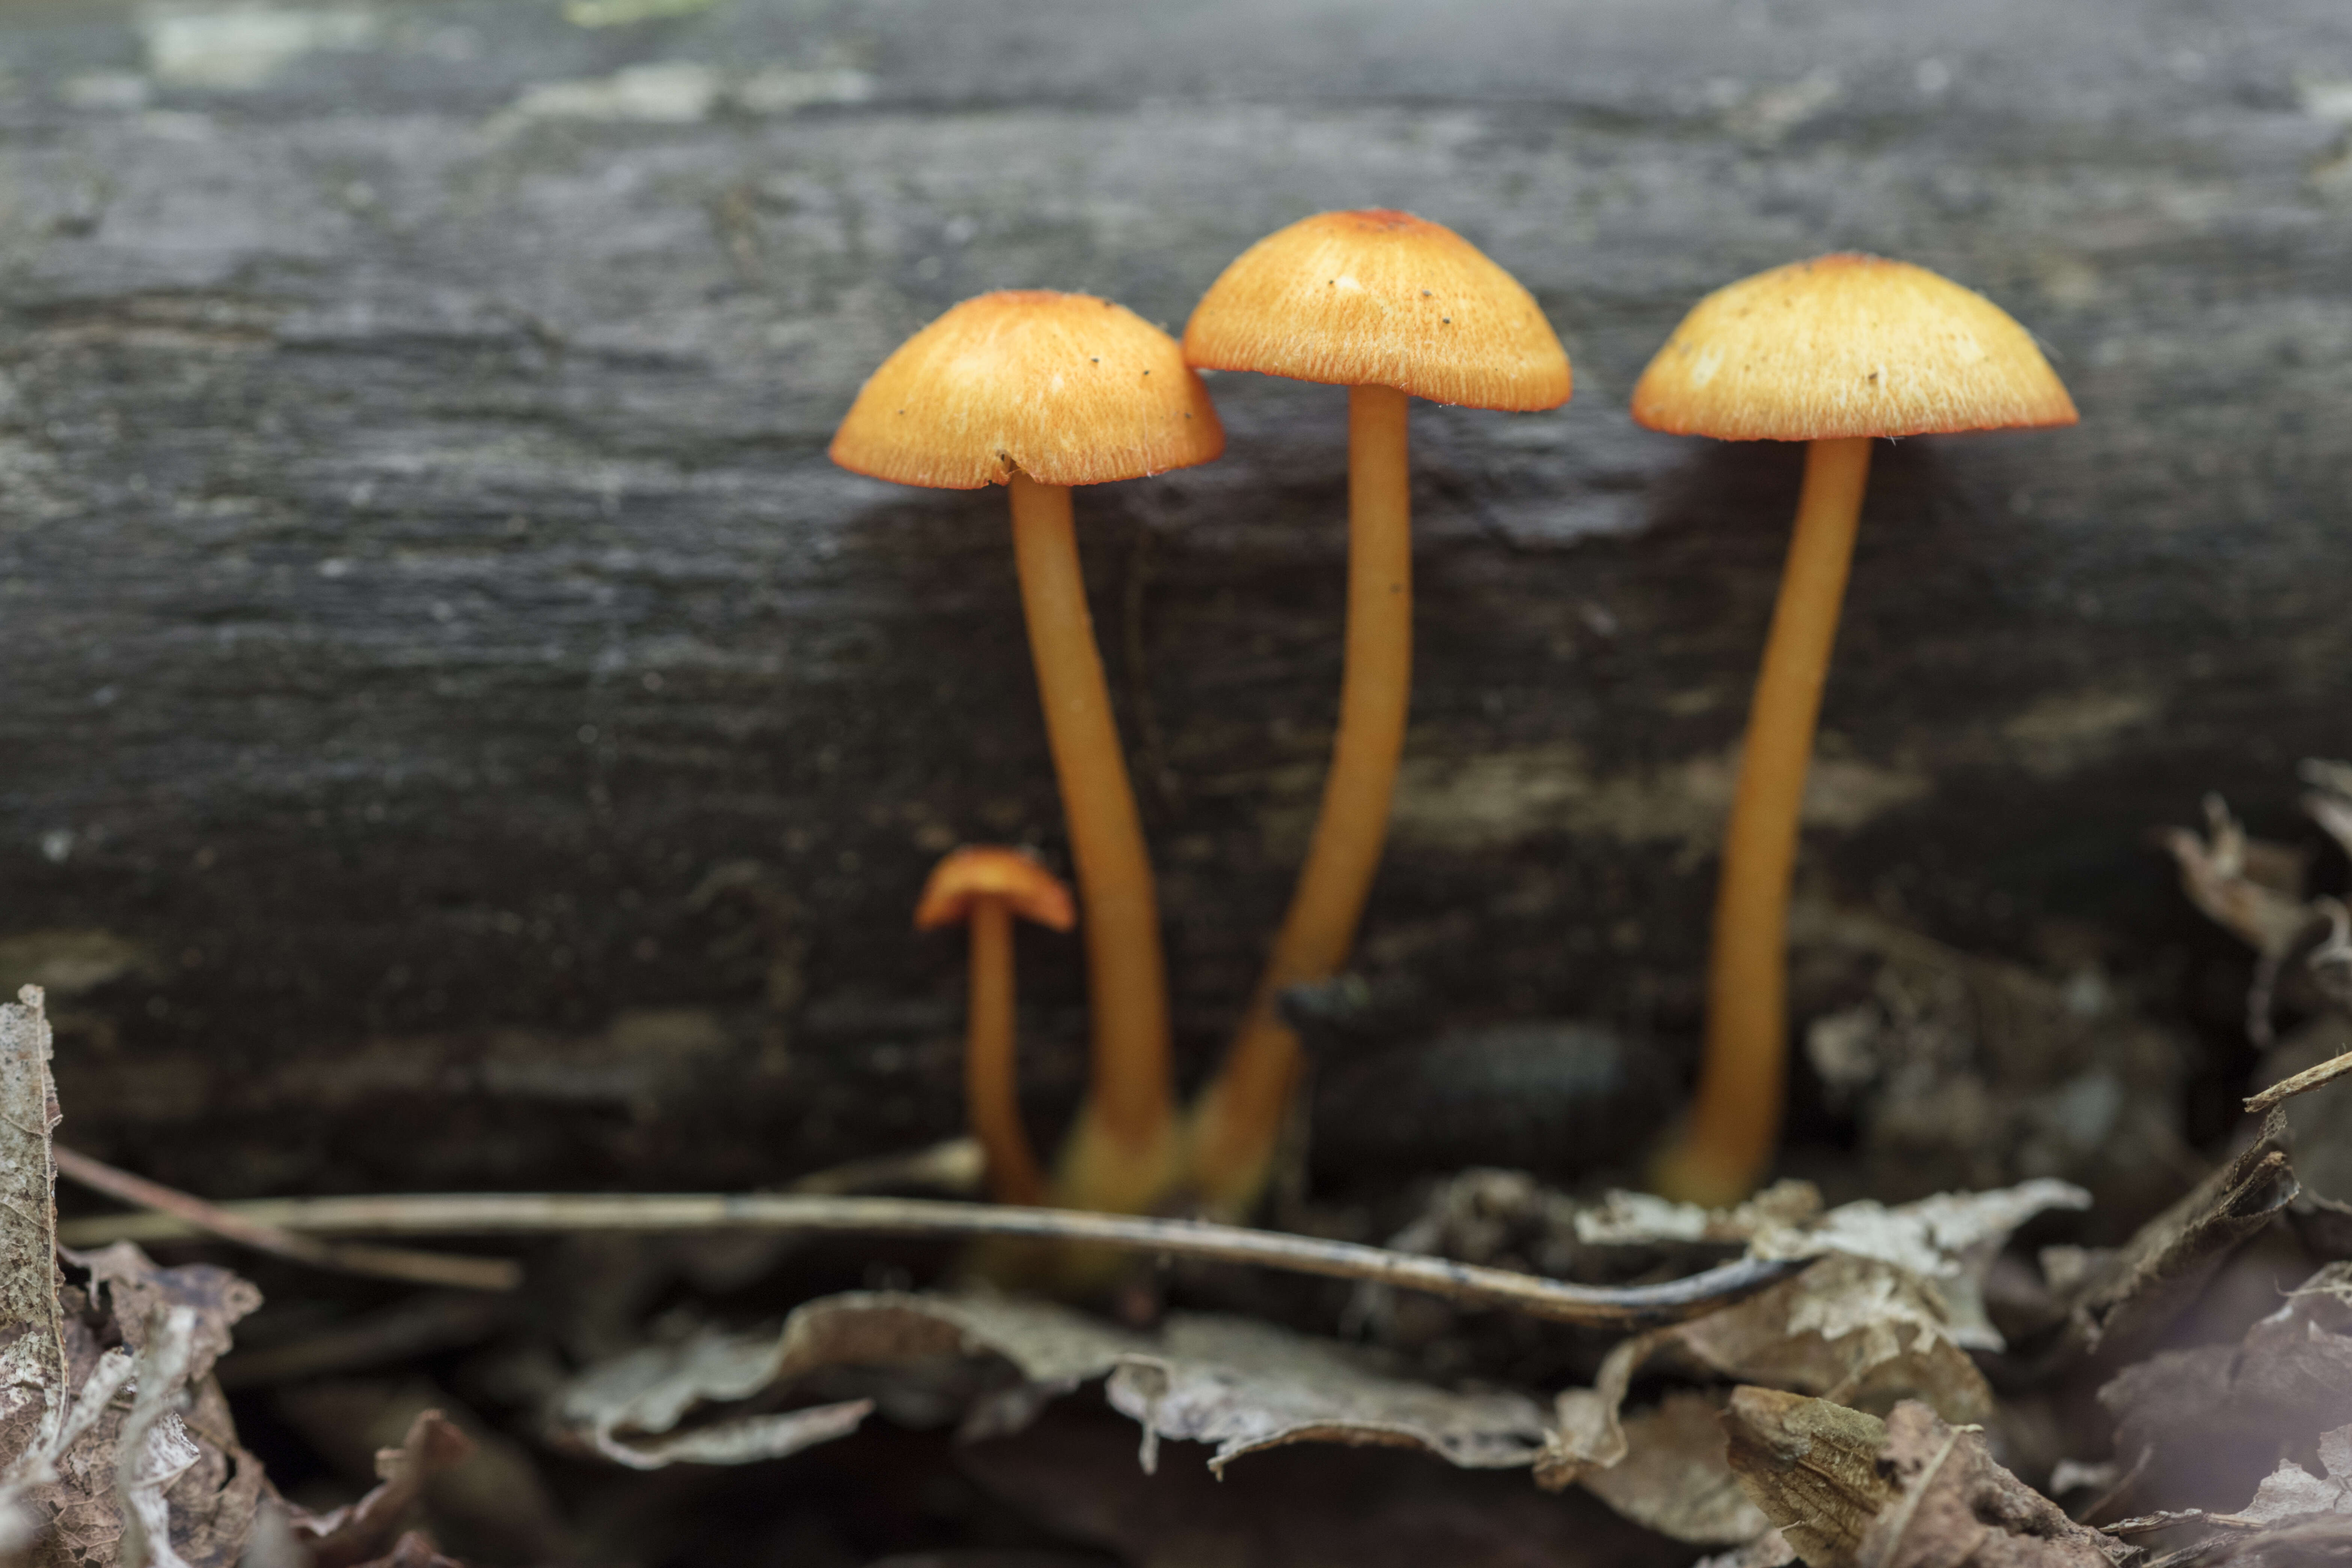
(428, 609)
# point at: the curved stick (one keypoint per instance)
(202, 1218)
(485, 1214)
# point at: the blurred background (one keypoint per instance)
(461, 732)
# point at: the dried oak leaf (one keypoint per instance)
(2204, 1424)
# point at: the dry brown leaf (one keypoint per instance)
(2296, 1519)
(1957, 1508)
(637, 1408)
(1850, 1491)
(2255, 890)
(177, 1460)
(2126, 1304)
(1242, 1385)
(90, 1481)
(357, 1532)
(629, 1409)
(153, 1450)
(2205, 1424)
(130, 1287)
(2222, 873)
(1677, 1478)
(1246, 1386)
(1644, 1219)
(2293, 1492)
(1854, 1329)
(1812, 1467)
(1951, 1238)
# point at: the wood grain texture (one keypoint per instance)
(503, 750)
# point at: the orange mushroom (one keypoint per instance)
(1833, 352)
(1391, 307)
(986, 884)
(1037, 392)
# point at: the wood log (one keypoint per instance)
(461, 731)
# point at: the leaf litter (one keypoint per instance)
(1240, 1385)
(1902, 1399)
(117, 1446)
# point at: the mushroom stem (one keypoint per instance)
(988, 1073)
(1122, 1154)
(1723, 1150)
(1240, 1117)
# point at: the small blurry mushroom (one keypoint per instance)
(1834, 352)
(1393, 307)
(1039, 391)
(986, 884)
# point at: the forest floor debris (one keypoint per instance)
(1904, 1379)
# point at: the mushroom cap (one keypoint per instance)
(1847, 345)
(979, 871)
(1381, 298)
(1066, 388)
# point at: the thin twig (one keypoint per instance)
(480, 1213)
(2146, 1522)
(194, 1215)
(2286, 1088)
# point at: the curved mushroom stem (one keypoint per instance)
(990, 1080)
(1122, 1156)
(1240, 1117)
(1722, 1152)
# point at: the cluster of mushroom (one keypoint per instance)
(1041, 392)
